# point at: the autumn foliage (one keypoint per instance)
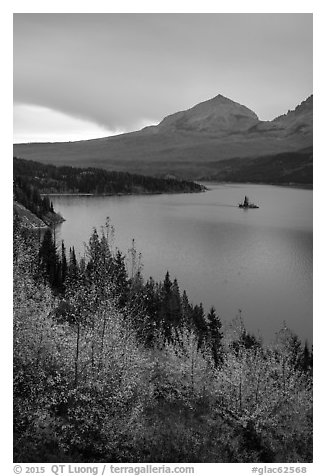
(108, 367)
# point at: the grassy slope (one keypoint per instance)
(186, 155)
(283, 168)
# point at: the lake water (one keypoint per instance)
(259, 261)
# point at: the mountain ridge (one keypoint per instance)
(213, 130)
(216, 115)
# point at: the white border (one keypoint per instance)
(315, 7)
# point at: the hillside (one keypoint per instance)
(183, 144)
(111, 367)
(286, 168)
(27, 218)
(48, 179)
(33, 210)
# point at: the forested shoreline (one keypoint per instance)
(109, 367)
(49, 179)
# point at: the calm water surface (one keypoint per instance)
(259, 261)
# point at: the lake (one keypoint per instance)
(259, 261)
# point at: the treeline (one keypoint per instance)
(52, 179)
(160, 313)
(29, 196)
(110, 367)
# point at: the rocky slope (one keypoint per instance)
(297, 122)
(27, 218)
(218, 116)
(30, 220)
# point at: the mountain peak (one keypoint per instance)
(305, 107)
(299, 120)
(221, 98)
(218, 115)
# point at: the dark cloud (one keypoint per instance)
(121, 70)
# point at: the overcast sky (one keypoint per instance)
(80, 76)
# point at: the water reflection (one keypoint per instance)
(257, 260)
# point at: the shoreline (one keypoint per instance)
(307, 186)
(58, 194)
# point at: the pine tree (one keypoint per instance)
(48, 258)
(166, 310)
(176, 303)
(199, 324)
(306, 358)
(215, 336)
(152, 303)
(186, 310)
(64, 266)
(73, 265)
(120, 277)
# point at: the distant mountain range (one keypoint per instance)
(199, 143)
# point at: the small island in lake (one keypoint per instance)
(247, 204)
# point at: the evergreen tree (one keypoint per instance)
(306, 358)
(215, 336)
(64, 265)
(120, 278)
(176, 304)
(186, 310)
(48, 258)
(166, 308)
(199, 323)
(152, 299)
(73, 265)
